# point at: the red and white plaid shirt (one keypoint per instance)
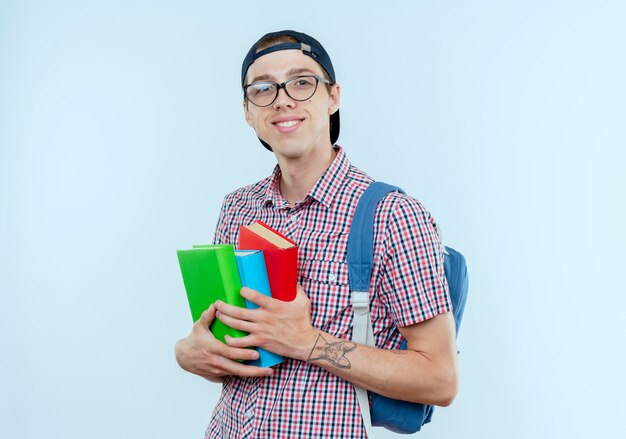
(408, 286)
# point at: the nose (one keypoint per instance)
(283, 99)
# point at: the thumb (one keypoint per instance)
(207, 318)
(300, 292)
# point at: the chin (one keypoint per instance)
(290, 153)
(289, 149)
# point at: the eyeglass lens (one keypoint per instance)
(300, 88)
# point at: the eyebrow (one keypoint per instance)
(290, 74)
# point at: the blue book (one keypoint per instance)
(253, 274)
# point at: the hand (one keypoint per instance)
(202, 354)
(281, 327)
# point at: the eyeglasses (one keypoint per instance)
(300, 88)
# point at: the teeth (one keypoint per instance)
(287, 123)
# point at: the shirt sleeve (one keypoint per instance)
(413, 286)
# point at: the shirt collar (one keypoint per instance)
(272, 193)
(325, 189)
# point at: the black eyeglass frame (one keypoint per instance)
(283, 85)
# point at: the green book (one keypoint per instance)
(209, 274)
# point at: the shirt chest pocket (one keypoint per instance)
(326, 283)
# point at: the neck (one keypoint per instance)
(299, 174)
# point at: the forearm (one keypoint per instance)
(400, 374)
(425, 372)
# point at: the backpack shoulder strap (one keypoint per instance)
(360, 240)
(360, 262)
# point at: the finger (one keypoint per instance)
(239, 353)
(301, 297)
(300, 291)
(227, 364)
(240, 342)
(233, 311)
(257, 298)
(244, 370)
(206, 318)
(213, 379)
(235, 323)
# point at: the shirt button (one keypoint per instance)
(332, 277)
(249, 413)
(294, 218)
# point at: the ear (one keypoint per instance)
(246, 113)
(335, 99)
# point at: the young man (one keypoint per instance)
(291, 100)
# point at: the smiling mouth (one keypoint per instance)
(287, 126)
(288, 123)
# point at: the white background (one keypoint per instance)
(121, 130)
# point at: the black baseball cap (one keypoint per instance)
(310, 47)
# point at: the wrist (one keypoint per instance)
(308, 342)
